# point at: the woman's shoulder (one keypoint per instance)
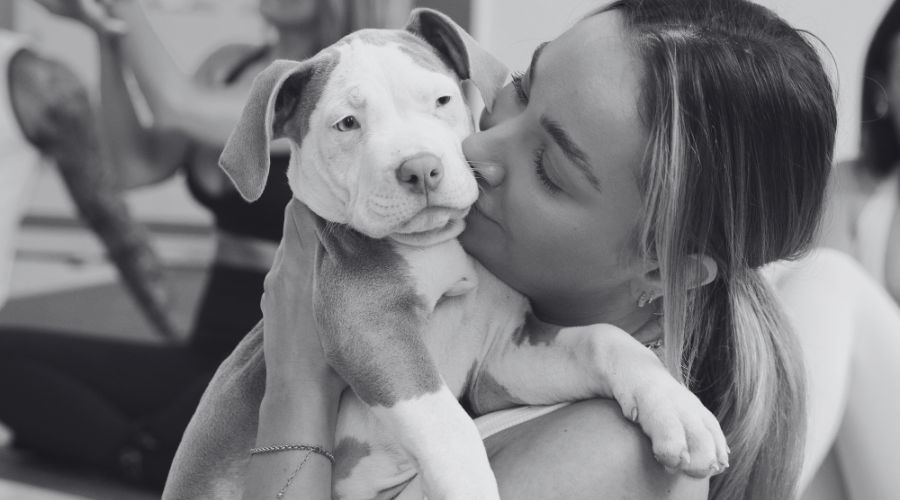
(215, 69)
(851, 186)
(585, 448)
(43, 90)
(854, 178)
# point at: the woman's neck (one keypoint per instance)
(616, 307)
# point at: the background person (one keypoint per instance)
(122, 406)
(849, 319)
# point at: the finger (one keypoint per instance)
(277, 264)
(304, 224)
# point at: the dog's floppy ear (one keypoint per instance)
(465, 55)
(275, 96)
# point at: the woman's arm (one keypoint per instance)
(145, 154)
(204, 113)
(294, 415)
(54, 112)
(586, 450)
(302, 391)
(847, 325)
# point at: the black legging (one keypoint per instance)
(121, 406)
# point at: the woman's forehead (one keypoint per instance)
(597, 51)
(589, 79)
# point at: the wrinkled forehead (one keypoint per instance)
(398, 41)
(378, 61)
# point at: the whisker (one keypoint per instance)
(483, 163)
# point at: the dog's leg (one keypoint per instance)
(541, 364)
(372, 320)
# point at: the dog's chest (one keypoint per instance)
(439, 270)
(460, 332)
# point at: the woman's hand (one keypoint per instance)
(94, 14)
(293, 351)
(302, 391)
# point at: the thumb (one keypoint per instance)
(301, 227)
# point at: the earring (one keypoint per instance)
(647, 297)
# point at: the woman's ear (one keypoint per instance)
(701, 270)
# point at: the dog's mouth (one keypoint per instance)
(431, 226)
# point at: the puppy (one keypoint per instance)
(375, 124)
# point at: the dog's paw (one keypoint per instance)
(686, 437)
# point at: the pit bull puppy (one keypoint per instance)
(375, 124)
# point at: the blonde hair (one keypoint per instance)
(742, 121)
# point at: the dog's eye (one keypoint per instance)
(347, 123)
(443, 100)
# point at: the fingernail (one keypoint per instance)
(685, 457)
(728, 449)
(634, 414)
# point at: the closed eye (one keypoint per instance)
(519, 86)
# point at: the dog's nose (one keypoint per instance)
(421, 173)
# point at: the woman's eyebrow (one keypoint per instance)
(534, 61)
(575, 154)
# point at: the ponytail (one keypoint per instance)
(748, 370)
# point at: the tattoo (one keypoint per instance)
(55, 114)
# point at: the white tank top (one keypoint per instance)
(20, 163)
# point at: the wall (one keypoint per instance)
(512, 28)
(7, 13)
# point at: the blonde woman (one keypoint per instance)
(658, 148)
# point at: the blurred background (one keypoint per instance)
(62, 278)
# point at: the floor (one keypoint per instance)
(63, 270)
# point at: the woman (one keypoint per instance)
(865, 220)
(122, 406)
(849, 414)
(687, 148)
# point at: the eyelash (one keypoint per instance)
(517, 79)
(542, 172)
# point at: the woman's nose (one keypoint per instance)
(482, 155)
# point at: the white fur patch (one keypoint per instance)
(351, 176)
